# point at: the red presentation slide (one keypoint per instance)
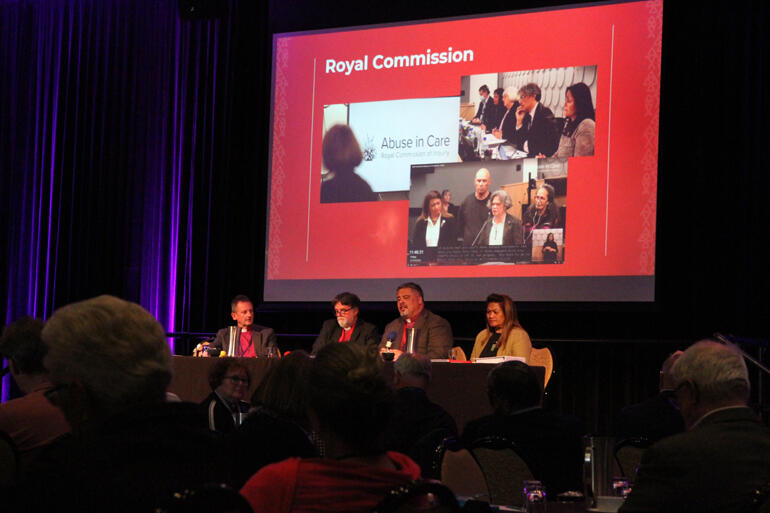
(410, 94)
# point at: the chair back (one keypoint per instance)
(422, 496)
(628, 455)
(760, 500)
(424, 450)
(542, 358)
(9, 461)
(208, 498)
(459, 471)
(504, 470)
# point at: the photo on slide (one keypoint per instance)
(368, 148)
(496, 110)
(502, 210)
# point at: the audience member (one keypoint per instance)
(503, 336)
(278, 427)
(494, 112)
(473, 210)
(341, 156)
(549, 442)
(483, 104)
(350, 407)
(433, 334)
(657, 417)
(419, 425)
(110, 364)
(434, 228)
(502, 229)
(725, 453)
(536, 130)
(224, 407)
(31, 421)
(542, 214)
(252, 339)
(577, 138)
(506, 128)
(447, 207)
(347, 326)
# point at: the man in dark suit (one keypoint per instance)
(347, 326)
(536, 130)
(549, 442)
(485, 103)
(433, 334)
(251, 340)
(724, 455)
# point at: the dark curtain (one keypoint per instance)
(131, 151)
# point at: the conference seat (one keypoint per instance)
(209, 498)
(542, 358)
(628, 455)
(459, 470)
(504, 470)
(421, 496)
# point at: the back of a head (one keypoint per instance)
(717, 370)
(350, 397)
(113, 348)
(340, 150)
(284, 389)
(22, 343)
(513, 386)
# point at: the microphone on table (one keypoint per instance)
(489, 217)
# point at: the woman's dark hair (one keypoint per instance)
(511, 317)
(283, 390)
(499, 92)
(426, 203)
(221, 368)
(350, 397)
(550, 237)
(584, 106)
(340, 149)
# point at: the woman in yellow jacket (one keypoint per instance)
(503, 336)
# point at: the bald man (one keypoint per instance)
(473, 210)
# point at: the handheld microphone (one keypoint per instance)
(391, 338)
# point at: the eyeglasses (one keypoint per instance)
(342, 311)
(237, 380)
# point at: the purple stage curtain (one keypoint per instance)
(113, 115)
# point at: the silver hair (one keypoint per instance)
(512, 93)
(410, 364)
(114, 348)
(717, 370)
(530, 89)
(500, 193)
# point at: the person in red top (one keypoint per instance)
(253, 340)
(350, 408)
(31, 421)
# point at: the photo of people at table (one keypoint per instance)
(535, 113)
(508, 212)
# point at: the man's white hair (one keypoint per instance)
(717, 370)
(114, 348)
